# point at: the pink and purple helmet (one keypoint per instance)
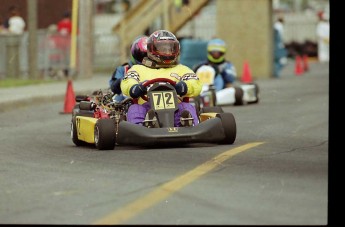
(139, 50)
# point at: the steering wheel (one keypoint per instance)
(155, 80)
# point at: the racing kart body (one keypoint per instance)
(239, 94)
(104, 123)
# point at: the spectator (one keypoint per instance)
(322, 32)
(3, 29)
(64, 26)
(279, 25)
(280, 53)
(16, 23)
(179, 4)
(126, 5)
(54, 46)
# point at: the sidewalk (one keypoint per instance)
(15, 97)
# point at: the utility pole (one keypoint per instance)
(73, 50)
(86, 38)
(32, 28)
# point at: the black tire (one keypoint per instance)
(105, 134)
(74, 133)
(83, 109)
(214, 97)
(79, 98)
(212, 109)
(239, 96)
(85, 105)
(197, 104)
(229, 126)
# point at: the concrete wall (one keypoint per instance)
(246, 26)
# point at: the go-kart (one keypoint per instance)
(239, 94)
(103, 122)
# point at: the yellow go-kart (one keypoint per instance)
(108, 125)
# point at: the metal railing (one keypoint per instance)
(53, 54)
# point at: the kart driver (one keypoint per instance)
(225, 70)
(137, 53)
(163, 50)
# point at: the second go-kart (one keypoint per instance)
(108, 125)
(239, 94)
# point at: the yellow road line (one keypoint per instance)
(170, 187)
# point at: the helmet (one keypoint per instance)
(139, 50)
(163, 48)
(216, 50)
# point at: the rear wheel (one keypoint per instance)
(229, 126)
(239, 96)
(74, 133)
(197, 103)
(79, 98)
(105, 134)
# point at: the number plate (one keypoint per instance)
(163, 100)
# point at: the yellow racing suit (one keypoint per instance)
(140, 73)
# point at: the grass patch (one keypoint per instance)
(21, 82)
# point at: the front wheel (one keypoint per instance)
(229, 126)
(105, 134)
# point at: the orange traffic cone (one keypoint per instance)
(246, 75)
(305, 63)
(298, 65)
(69, 99)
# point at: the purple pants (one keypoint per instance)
(136, 113)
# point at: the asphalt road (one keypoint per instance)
(276, 172)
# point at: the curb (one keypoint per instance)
(36, 100)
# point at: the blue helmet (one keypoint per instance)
(216, 49)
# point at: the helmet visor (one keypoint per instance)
(166, 48)
(216, 54)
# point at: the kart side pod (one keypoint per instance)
(85, 128)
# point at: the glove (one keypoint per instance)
(181, 88)
(137, 90)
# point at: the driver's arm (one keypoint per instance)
(228, 72)
(194, 85)
(130, 79)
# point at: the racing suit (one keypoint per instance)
(140, 73)
(115, 80)
(225, 73)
